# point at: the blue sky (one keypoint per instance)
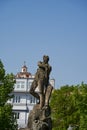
(58, 28)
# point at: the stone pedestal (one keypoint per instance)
(39, 119)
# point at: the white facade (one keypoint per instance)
(23, 101)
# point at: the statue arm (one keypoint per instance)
(50, 68)
(42, 65)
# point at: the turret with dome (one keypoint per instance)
(24, 72)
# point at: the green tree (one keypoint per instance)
(64, 110)
(7, 119)
(69, 106)
(82, 104)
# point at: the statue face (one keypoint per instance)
(45, 59)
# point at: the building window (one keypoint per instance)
(19, 99)
(17, 115)
(16, 99)
(31, 99)
(13, 99)
(22, 84)
(18, 86)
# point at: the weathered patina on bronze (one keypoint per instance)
(39, 118)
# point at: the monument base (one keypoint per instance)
(39, 119)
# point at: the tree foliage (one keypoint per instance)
(69, 106)
(7, 119)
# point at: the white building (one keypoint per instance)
(23, 102)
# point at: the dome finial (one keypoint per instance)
(24, 63)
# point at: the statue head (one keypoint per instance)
(45, 58)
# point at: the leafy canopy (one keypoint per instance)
(7, 120)
(69, 107)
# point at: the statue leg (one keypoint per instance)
(48, 94)
(41, 92)
(32, 89)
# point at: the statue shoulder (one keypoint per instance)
(39, 63)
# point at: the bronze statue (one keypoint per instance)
(41, 81)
